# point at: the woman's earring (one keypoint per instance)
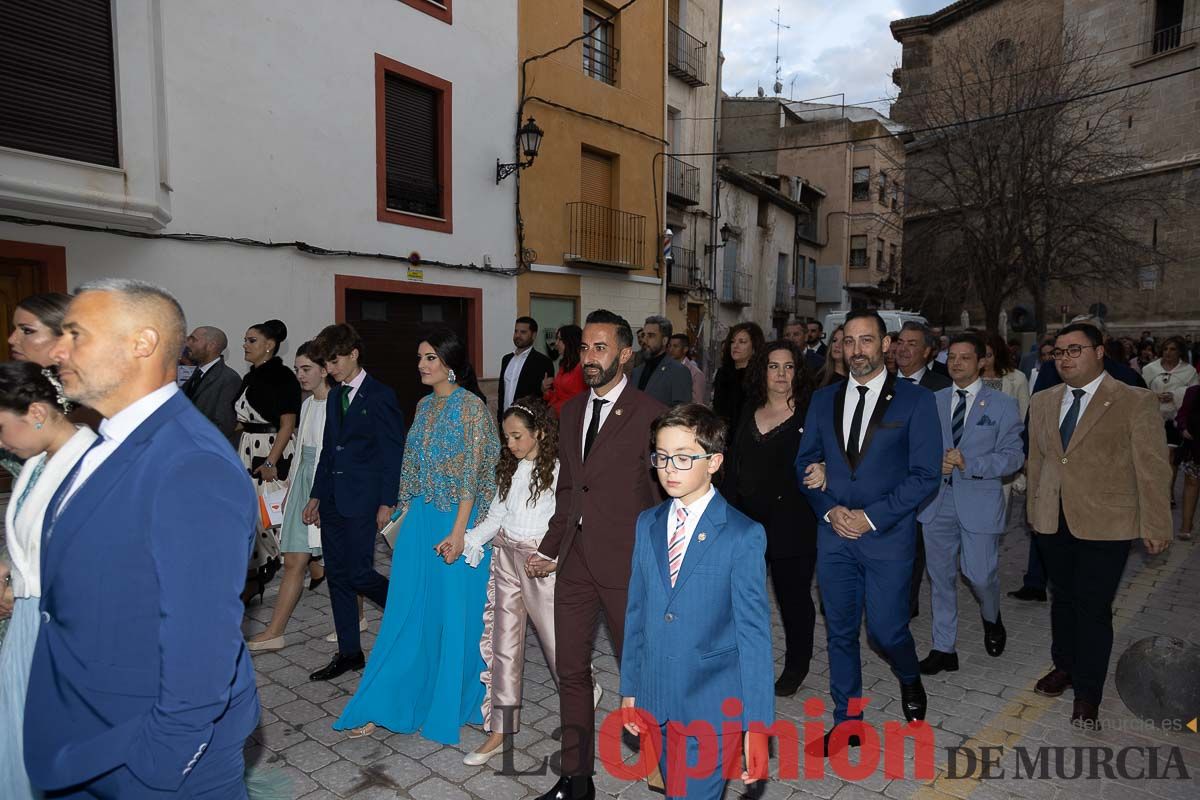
(453, 378)
(37, 426)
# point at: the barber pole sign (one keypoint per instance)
(668, 236)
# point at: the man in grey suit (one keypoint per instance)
(213, 387)
(659, 375)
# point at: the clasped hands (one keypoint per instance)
(951, 459)
(847, 523)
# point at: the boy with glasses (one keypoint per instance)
(697, 625)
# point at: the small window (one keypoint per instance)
(764, 208)
(812, 273)
(438, 9)
(892, 259)
(895, 195)
(883, 187)
(879, 265)
(862, 183)
(858, 251)
(1148, 278)
(1168, 25)
(599, 54)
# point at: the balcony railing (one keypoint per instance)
(683, 274)
(784, 299)
(1166, 39)
(685, 55)
(735, 288)
(606, 236)
(683, 182)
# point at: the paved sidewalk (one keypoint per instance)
(988, 702)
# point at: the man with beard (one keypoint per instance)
(880, 440)
(604, 482)
(659, 375)
(141, 684)
(523, 370)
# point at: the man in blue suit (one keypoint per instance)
(879, 441)
(141, 685)
(355, 487)
(981, 437)
(697, 624)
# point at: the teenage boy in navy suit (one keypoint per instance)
(697, 625)
(355, 487)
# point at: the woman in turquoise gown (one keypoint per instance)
(424, 671)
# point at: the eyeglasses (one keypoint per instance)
(679, 461)
(1072, 351)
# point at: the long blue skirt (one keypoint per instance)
(423, 673)
(16, 658)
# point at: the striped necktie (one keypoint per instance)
(960, 415)
(675, 546)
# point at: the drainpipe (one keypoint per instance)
(711, 348)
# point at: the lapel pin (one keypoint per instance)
(617, 411)
(889, 397)
(702, 537)
(1107, 403)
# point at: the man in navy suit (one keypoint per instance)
(141, 685)
(355, 487)
(881, 446)
(981, 437)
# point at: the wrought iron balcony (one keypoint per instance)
(1165, 39)
(683, 274)
(606, 236)
(735, 288)
(685, 55)
(785, 300)
(683, 182)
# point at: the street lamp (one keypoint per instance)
(725, 231)
(530, 137)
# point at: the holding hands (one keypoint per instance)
(538, 567)
(452, 546)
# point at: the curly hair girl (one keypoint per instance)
(531, 419)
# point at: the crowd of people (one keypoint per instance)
(603, 484)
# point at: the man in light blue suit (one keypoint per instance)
(698, 625)
(981, 437)
(879, 441)
(141, 685)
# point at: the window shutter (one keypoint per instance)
(596, 179)
(58, 90)
(412, 147)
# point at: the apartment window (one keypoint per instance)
(895, 195)
(599, 54)
(1148, 278)
(879, 265)
(1168, 25)
(58, 93)
(413, 127)
(862, 184)
(892, 259)
(883, 187)
(764, 208)
(858, 251)
(438, 9)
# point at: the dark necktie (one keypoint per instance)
(911, 380)
(60, 495)
(856, 426)
(345, 400)
(593, 426)
(1071, 419)
(959, 417)
(193, 383)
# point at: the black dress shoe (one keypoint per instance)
(994, 636)
(572, 787)
(938, 661)
(340, 665)
(1053, 683)
(1029, 593)
(789, 682)
(913, 700)
(820, 748)
(1085, 715)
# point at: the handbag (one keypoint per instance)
(271, 495)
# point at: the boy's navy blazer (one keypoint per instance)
(690, 647)
(140, 661)
(899, 467)
(361, 455)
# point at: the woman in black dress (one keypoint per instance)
(744, 342)
(760, 481)
(267, 408)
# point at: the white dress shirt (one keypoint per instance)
(695, 512)
(116, 430)
(972, 393)
(520, 520)
(1069, 397)
(204, 369)
(605, 410)
(915, 377)
(355, 383)
(874, 389)
(512, 374)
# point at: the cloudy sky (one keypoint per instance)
(832, 46)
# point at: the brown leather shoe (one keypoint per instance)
(1054, 683)
(1085, 715)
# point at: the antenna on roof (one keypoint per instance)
(779, 28)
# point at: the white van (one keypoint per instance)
(893, 318)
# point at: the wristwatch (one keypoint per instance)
(269, 465)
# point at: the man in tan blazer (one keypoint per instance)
(1098, 479)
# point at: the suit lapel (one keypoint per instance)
(1052, 418)
(945, 401)
(1096, 408)
(710, 526)
(616, 418)
(660, 537)
(885, 399)
(839, 408)
(975, 412)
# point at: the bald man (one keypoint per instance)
(214, 386)
(141, 684)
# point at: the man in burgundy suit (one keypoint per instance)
(604, 482)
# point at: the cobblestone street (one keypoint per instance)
(988, 702)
